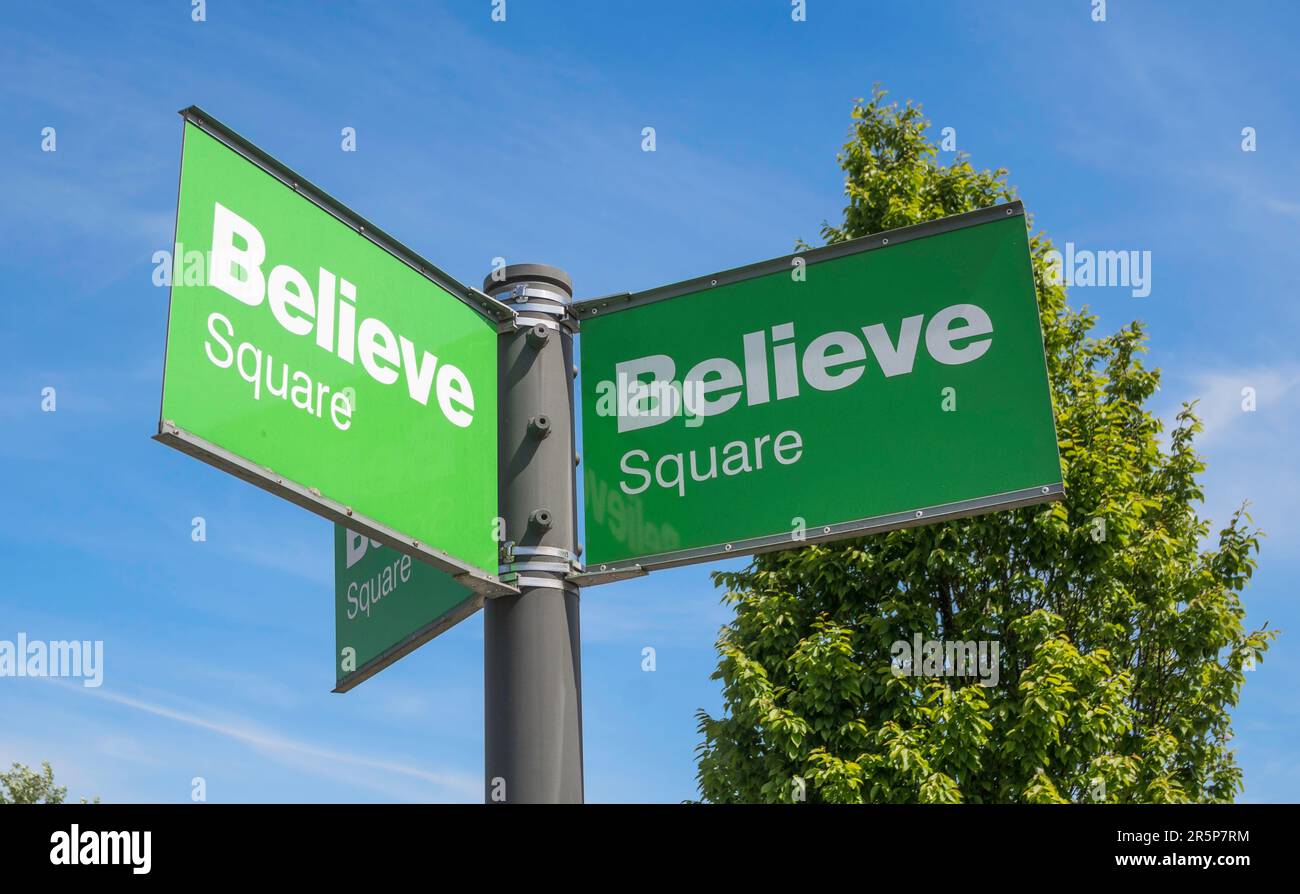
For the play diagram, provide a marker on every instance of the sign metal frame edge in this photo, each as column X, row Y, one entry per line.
column 608, row 304
column 637, row 566
column 468, row 575
column 487, row 307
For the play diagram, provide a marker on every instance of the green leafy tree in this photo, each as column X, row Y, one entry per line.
column 23, row 785
column 1121, row 639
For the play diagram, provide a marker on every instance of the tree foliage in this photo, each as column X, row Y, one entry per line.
column 23, row 785
column 1121, row 654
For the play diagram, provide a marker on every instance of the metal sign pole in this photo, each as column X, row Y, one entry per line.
column 532, row 669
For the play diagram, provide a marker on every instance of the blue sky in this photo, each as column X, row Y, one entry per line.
column 522, row 139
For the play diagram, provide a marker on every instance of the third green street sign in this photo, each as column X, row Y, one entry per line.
column 889, row 381
column 313, row 355
column 387, row 606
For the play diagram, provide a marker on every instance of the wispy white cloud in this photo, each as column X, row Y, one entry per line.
column 295, row 752
column 1186, row 90
column 1224, row 403
column 1250, row 454
column 311, row 562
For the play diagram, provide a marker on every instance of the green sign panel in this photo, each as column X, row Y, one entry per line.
column 313, row 355
column 890, row 381
column 386, row 606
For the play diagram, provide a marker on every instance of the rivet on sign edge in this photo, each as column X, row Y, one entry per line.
column 884, row 241
column 919, row 513
column 727, row 548
column 826, row 530
column 1046, row 489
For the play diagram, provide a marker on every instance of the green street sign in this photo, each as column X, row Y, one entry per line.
column 386, row 606
column 889, row 381
column 311, row 354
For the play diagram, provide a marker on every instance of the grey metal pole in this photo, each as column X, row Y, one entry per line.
column 532, row 668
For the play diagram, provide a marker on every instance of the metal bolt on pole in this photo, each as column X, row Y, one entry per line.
column 532, row 668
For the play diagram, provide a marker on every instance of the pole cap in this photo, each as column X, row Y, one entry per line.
column 538, row 273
